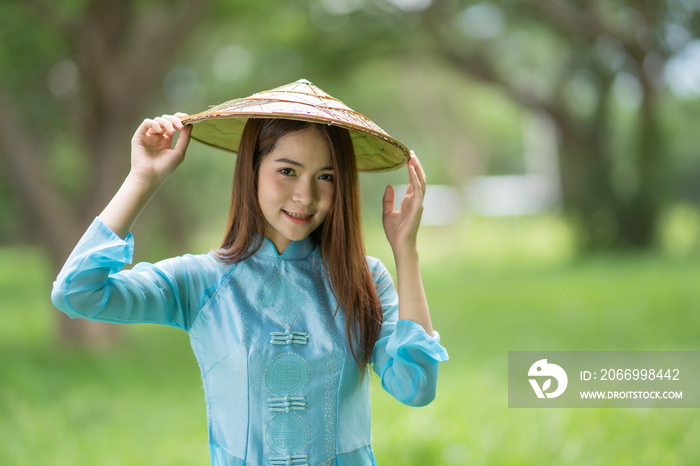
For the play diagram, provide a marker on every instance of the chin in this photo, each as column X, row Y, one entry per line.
column 299, row 237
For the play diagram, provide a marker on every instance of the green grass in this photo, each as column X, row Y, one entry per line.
column 493, row 286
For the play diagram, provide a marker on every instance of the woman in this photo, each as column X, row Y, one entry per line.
column 286, row 316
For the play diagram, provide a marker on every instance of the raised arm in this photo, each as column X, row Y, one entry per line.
column 401, row 228
column 93, row 285
column 153, row 159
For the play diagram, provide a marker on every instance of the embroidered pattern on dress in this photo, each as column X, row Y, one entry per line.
column 333, row 365
column 287, row 434
column 286, row 374
column 282, row 301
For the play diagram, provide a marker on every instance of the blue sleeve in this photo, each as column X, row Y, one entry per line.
column 405, row 356
column 92, row 284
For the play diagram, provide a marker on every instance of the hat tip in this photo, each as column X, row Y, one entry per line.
column 304, row 81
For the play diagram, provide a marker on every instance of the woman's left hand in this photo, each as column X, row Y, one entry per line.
column 401, row 226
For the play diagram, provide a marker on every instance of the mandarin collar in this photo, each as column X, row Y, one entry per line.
column 295, row 250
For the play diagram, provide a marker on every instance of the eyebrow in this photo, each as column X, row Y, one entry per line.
column 297, row 164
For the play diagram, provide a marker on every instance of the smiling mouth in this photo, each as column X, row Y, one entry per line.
column 298, row 215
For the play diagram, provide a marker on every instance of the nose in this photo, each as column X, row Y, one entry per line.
column 305, row 192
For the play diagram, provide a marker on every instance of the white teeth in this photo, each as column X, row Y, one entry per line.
column 295, row 215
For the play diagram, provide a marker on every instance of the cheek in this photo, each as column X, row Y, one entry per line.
column 268, row 189
column 328, row 194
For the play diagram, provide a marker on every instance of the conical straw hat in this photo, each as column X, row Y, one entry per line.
column 222, row 125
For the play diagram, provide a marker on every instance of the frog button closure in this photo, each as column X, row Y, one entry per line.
column 288, row 338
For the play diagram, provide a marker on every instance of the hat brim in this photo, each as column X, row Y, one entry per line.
column 222, row 126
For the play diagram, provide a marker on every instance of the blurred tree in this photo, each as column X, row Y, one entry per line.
column 116, row 52
column 76, row 76
column 596, row 67
column 569, row 59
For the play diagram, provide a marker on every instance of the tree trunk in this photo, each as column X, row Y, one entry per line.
column 642, row 216
column 606, row 217
column 119, row 70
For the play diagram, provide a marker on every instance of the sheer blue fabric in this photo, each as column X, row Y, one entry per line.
column 281, row 385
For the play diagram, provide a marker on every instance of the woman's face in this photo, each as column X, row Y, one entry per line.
column 295, row 187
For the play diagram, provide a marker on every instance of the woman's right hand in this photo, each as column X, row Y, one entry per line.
column 153, row 156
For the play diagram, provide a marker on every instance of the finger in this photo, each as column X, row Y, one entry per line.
column 147, row 127
column 183, row 140
column 411, row 172
column 388, row 201
column 414, row 181
column 420, row 170
column 409, row 187
column 175, row 120
column 167, row 125
column 181, row 116
column 154, row 128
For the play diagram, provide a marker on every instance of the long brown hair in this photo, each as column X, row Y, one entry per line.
column 339, row 236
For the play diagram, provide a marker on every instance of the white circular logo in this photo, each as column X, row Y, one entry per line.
column 542, row 369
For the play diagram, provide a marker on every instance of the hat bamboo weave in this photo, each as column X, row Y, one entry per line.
column 222, row 125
